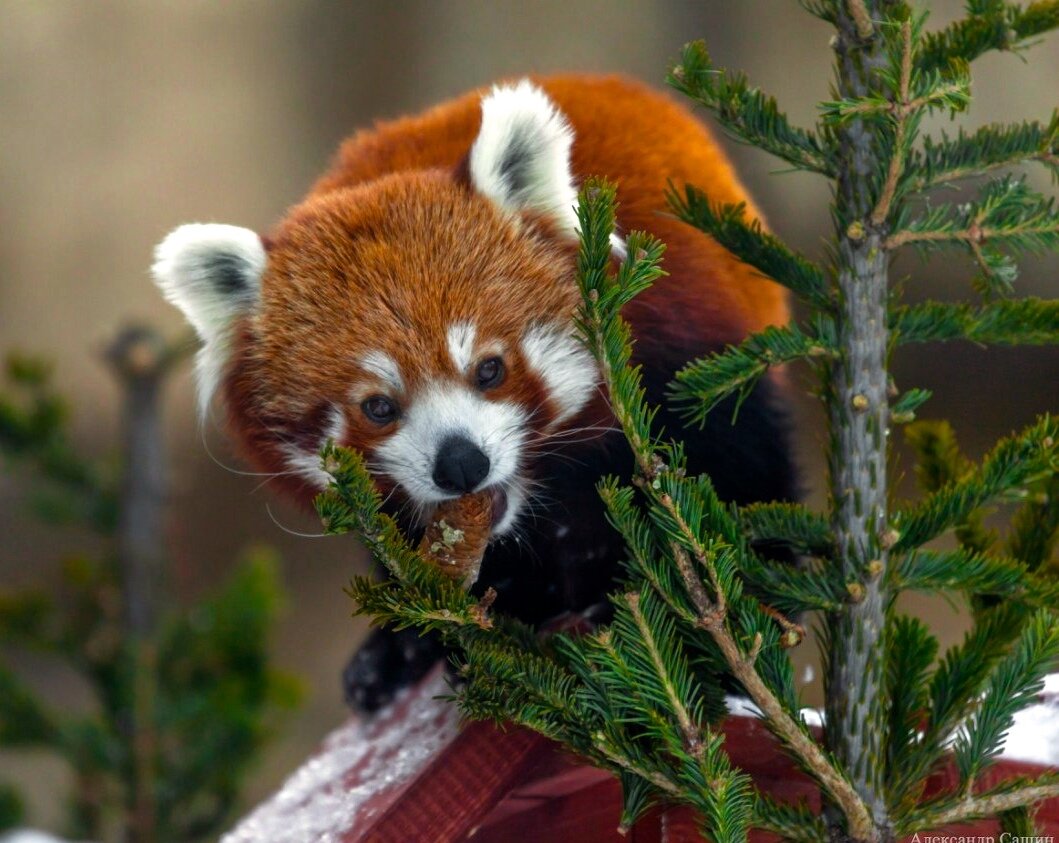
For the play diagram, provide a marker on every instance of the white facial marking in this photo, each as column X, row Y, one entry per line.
column 444, row 410
column 460, row 338
column 567, row 368
column 385, row 368
column 305, row 462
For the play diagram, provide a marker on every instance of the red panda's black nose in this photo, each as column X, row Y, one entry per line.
column 460, row 465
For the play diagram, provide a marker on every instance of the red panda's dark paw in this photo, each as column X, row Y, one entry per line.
column 386, row 663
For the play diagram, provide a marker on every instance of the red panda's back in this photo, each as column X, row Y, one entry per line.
column 636, row 137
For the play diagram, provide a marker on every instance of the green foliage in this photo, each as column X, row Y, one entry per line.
column 1012, row 685
column 1028, row 321
column 214, row 699
column 988, row 148
column 705, row 597
column 748, row 241
column 1014, row 463
column 12, row 812
column 746, row 112
column 789, row 524
column 1007, row 213
column 33, row 433
column 703, row 384
column 989, row 25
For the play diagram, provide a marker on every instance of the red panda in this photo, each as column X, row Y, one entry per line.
column 418, row 306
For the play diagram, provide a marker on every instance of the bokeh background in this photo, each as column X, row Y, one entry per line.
column 120, row 120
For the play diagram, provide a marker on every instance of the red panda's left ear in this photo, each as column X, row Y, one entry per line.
column 521, row 157
column 213, row 274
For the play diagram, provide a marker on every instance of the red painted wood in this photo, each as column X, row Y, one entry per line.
column 460, row 787
column 492, row 785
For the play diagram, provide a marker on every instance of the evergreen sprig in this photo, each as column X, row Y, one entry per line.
column 746, row 112
column 971, row 154
column 1026, row 321
column 1007, row 214
column 703, row 384
column 1012, row 464
column 748, row 241
column 989, row 25
column 788, row 524
column 1012, row 684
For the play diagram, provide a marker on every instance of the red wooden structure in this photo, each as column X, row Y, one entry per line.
column 412, row 775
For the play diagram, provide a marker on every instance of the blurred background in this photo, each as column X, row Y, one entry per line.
column 121, row 120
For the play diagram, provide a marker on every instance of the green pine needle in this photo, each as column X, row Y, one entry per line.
column 797, row 822
column 997, row 26
column 791, row 525
column 703, row 384
column 745, row 112
column 970, row 154
column 1008, row 215
column 1013, row 684
column 1013, row 464
column 1028, row 321
column 748, row 241
column 910, row 658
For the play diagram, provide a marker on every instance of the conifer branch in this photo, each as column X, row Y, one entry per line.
column 745, row 112
column 791, row 822
column 1011, row 794
column 606, row 336
column 1013, row 463
column 1013, row 683
column 995, row 26
column 862, row 19
column 791, row 524
column 904, row 110
column 989, row 148
column 1028, row 321
column 704, row 383
column 688, row 727
column 1007, row 213
column 976, row 573
column 749, row 242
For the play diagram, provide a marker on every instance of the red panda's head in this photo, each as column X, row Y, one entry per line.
column 424, row 318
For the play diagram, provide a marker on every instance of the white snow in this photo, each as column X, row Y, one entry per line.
column 1034, row 736
column 29, row 835
column 327, row 796
column 330, row 794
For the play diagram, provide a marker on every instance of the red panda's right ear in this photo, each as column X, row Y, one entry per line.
column 213, row 274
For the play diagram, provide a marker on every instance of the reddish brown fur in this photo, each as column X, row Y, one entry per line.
column 391, row 246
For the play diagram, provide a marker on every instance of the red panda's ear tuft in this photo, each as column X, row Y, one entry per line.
column 213, row 274
column 521, row 157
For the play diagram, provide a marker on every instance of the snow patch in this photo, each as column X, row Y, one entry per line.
column 358, row 762
column 1034, row 736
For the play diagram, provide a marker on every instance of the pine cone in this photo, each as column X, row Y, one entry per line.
column 457, row 535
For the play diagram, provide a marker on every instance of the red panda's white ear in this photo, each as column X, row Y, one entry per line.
column 213, row 274
column 521, row 157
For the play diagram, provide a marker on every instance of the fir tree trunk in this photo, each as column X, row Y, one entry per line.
column 856, row 723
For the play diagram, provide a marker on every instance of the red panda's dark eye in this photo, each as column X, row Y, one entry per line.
column 490, row 373
column 379, row 409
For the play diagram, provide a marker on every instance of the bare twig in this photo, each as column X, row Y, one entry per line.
column 983, row 805
column 897, row 159
column 859, row 12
